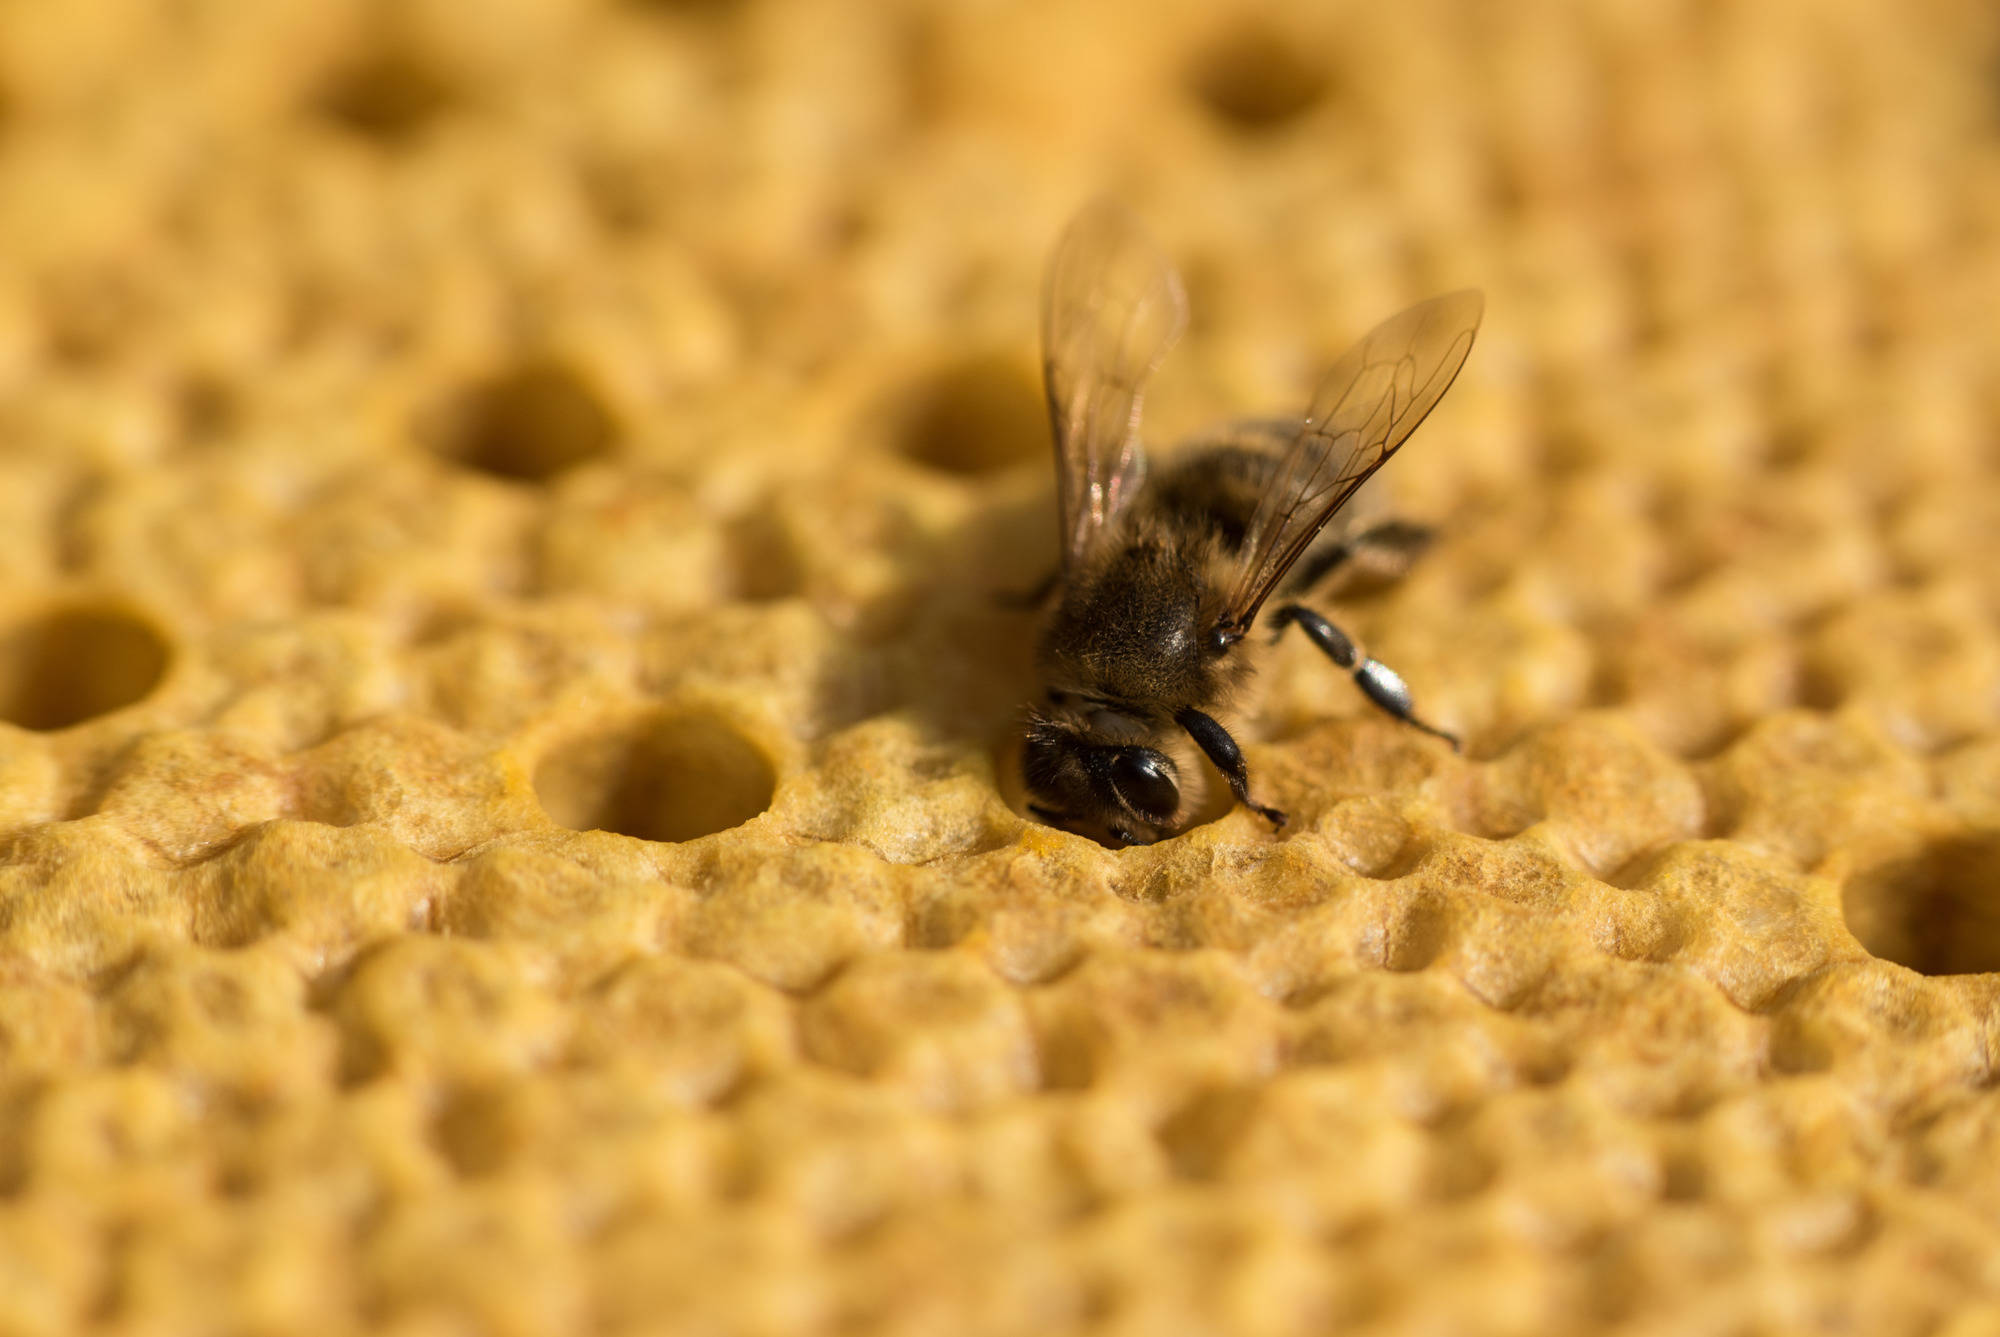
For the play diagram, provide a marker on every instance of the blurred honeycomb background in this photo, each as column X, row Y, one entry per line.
column 501, row 804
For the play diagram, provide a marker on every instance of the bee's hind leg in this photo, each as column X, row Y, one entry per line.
column 1228, row 758
column 1378, row 555
column 1377, row 681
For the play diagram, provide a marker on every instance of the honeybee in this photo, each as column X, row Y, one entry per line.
column 1144, row 638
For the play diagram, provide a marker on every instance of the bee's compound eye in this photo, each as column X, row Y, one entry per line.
column 1145, row 779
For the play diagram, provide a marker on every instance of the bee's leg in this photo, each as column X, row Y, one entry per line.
column 1033, row 597
column 1228, row 758
column 1377, row 681
column 1383, row 552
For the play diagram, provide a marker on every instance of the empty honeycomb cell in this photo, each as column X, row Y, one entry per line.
column 74, row 663
column 388, row 95
column 1935, row 910
column 527, row 423
column 670, row 776
column 1255, row 78
column 979, row 414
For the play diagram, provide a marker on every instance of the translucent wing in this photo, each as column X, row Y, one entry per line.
column 1366, row 407
column 1112, row 308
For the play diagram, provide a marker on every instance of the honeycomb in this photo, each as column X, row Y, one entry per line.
column 504, row 780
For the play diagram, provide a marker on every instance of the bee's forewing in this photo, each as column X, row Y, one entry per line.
column 1112, row 307
column 1367, row 406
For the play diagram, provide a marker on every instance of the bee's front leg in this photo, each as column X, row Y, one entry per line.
column 1377, row 681
column 1228, row 758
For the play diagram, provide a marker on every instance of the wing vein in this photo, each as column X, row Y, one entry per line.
column 1374, row 397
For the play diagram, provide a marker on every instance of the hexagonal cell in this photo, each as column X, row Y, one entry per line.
column 68, row 665
column 1937, row 911
column 387, row 96
column 1256, row 79
column 979, row 414
column 672, row 776
column 528, row 423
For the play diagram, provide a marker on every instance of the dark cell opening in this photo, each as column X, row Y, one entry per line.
column 1937, row 912
column 1256, row 80
column 667, row 777
column 73, row 664
column 529, row 423
column 388, row 96
column 975, row 416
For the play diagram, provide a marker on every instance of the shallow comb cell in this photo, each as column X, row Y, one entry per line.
column 1256, row 79
column 670, row 777
column 976, row 415
column 528, row 423
column 388, row 96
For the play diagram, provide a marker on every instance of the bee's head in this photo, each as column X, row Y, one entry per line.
column 1121, row 794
